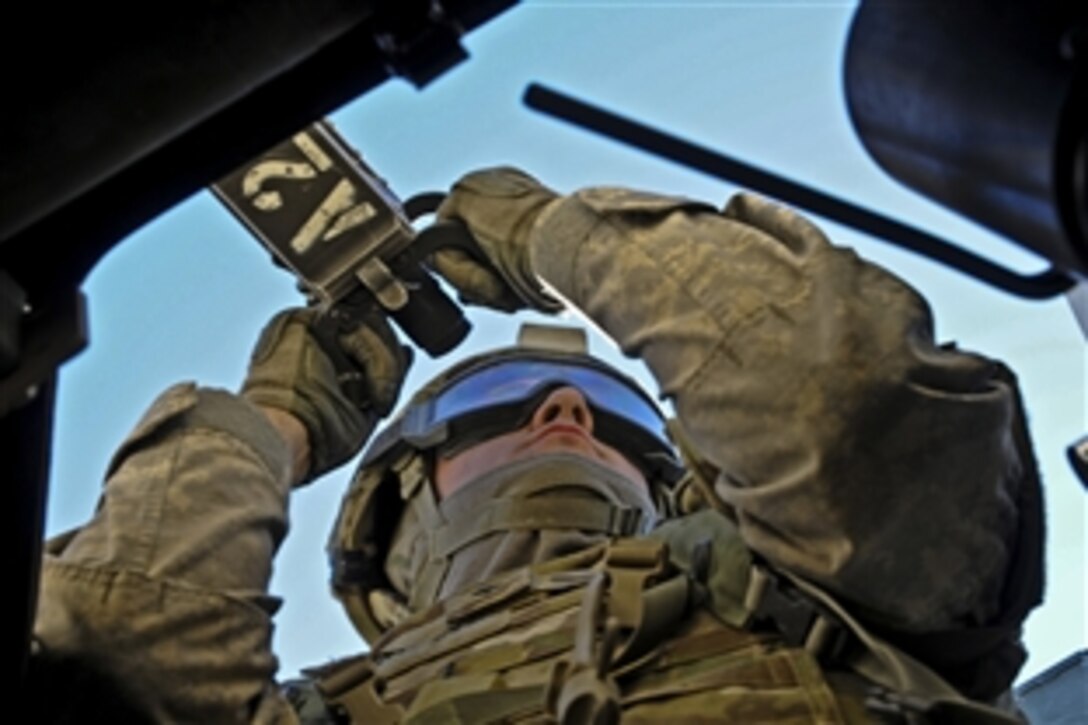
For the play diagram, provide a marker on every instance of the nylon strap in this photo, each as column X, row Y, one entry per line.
column 583, row 692
column 535, row 514
column 349, row 686
column 645, row 606
column 416, row 491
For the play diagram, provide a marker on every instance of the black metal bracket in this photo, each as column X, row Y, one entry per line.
column 12, row 308
column 420, row 39
column 47, row 338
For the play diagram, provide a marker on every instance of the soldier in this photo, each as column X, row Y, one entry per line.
column 843, row 524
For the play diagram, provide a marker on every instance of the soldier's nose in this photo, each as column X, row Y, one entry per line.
column 565, row 405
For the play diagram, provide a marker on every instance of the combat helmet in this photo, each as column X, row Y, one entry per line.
column 477, row 398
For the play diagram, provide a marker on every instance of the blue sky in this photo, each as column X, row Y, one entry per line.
column 184, row 297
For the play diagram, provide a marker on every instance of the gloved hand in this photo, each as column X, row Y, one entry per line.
column 498, row 206
column 337, row 382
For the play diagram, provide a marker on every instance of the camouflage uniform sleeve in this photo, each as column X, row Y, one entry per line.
column 853, row 450
column 164, row 592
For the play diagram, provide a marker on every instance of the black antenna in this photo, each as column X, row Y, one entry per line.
column 1043, row 285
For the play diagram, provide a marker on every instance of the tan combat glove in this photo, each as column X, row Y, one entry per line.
column 337, row 382
column 499, row 207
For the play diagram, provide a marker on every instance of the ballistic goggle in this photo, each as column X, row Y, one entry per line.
column 500, row 395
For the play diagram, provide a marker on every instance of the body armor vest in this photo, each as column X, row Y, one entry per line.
column 649, row 629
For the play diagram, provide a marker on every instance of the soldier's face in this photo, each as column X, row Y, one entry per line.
column 562, row 423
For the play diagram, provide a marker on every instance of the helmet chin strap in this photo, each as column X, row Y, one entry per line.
column 515, row 515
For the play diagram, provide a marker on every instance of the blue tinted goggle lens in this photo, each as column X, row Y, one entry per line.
column 515, row 381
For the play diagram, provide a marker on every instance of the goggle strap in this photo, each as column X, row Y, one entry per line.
column 571, row 340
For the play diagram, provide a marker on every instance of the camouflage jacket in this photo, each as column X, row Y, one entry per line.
column 850, row 450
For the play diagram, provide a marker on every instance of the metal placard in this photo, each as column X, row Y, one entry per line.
column 313, row 202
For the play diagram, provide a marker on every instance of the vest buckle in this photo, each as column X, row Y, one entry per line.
column 774, row 603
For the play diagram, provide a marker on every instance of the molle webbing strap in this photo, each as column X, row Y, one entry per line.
column 627, row 610
column 646, row 597
column 349, row 686
column 529, row 514
column 497, row 643
column 581, row 690
column 513, row 599
column 419, row 497
column 411, row 470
